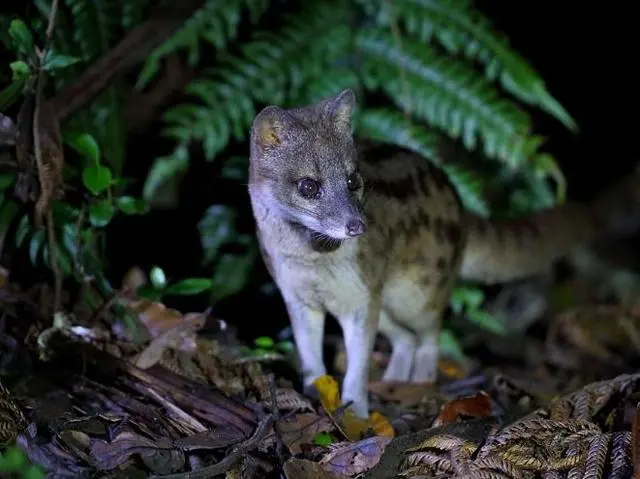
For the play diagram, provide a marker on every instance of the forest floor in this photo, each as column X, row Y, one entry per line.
column 181, row 397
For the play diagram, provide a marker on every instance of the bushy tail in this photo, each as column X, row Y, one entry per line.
column 499, row 251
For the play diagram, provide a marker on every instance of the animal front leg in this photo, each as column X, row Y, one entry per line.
column 308, row 332
column 359, row 331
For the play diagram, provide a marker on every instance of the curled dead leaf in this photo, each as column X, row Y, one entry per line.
column 478, row 405
column 352, row 458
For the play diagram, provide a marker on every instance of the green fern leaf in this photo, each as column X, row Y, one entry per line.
column 260, row 74
column 216, row 22
column 447, row 94
column 95, row 24
column 461, row 29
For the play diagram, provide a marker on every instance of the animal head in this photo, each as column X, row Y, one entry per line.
column 303, row 165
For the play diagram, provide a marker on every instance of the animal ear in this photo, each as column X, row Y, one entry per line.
column 341, row 110
column 272, row 127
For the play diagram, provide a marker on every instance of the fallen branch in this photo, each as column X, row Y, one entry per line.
column 230, row 459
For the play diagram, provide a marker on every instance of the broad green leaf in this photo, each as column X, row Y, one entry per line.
column 85, row 144
column 35, row 246
column 132, row 206
column 8, row 211
column 101, row 213
column 10, row 94
column 21, row 36
column 20, row 69
column 157, row 277
column 24, row 227
column 163, row 170
column 6, row 180
column 190, row 286
column 466, row 296
column 216, row 229
column 231, row 274
column 96, row 178
column 58, row 61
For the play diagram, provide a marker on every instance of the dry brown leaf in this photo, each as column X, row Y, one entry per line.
column 290, row 400
column 474, row 406
column 180, row 337
column 304, row 469
column 351, row 458
column 52, row 161
column 406, row 393
column 133, row 279
column 160, row 458
column 301, row 429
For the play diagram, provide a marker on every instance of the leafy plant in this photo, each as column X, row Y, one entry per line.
column 160, row 287
column 14, row 461
column 426, row 73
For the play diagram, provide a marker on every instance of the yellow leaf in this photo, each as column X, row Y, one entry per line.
column 353, row 426
column 328, row 391
column 380, row 425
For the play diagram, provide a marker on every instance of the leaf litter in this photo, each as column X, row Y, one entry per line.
column 83, row 397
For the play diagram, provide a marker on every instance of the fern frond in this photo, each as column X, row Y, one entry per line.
column 133, row 13
column 216, row 22
column 448, row 94
column 269, row 68
column 330, row 82
column 463, row 30
column 96, row 24
column 392, row 127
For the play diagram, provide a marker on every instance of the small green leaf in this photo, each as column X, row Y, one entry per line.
column 85, row 144
column 190, row 286
column 157, row 277
column 58, row 61
column 96, row 178
column 20, row 69
column 486, row 321
column 323, row 439
column 264, row 342
column 285, row 346
column 101, row 213
column 6, row 180
column 149, row 292
column 21, row 36
column 450, row 346
column 132, row 206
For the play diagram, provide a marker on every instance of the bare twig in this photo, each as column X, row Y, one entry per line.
column 230, row 459
column 53, row 256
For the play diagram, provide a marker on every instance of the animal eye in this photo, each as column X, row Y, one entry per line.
column 308, row 188
column 354, row 182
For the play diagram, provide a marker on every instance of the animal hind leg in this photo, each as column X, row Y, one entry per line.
column 425, row 360
column 403, row 348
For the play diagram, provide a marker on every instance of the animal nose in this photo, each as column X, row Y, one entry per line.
column 355, row 227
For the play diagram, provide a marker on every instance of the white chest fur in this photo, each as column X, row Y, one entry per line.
column 334, row 283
